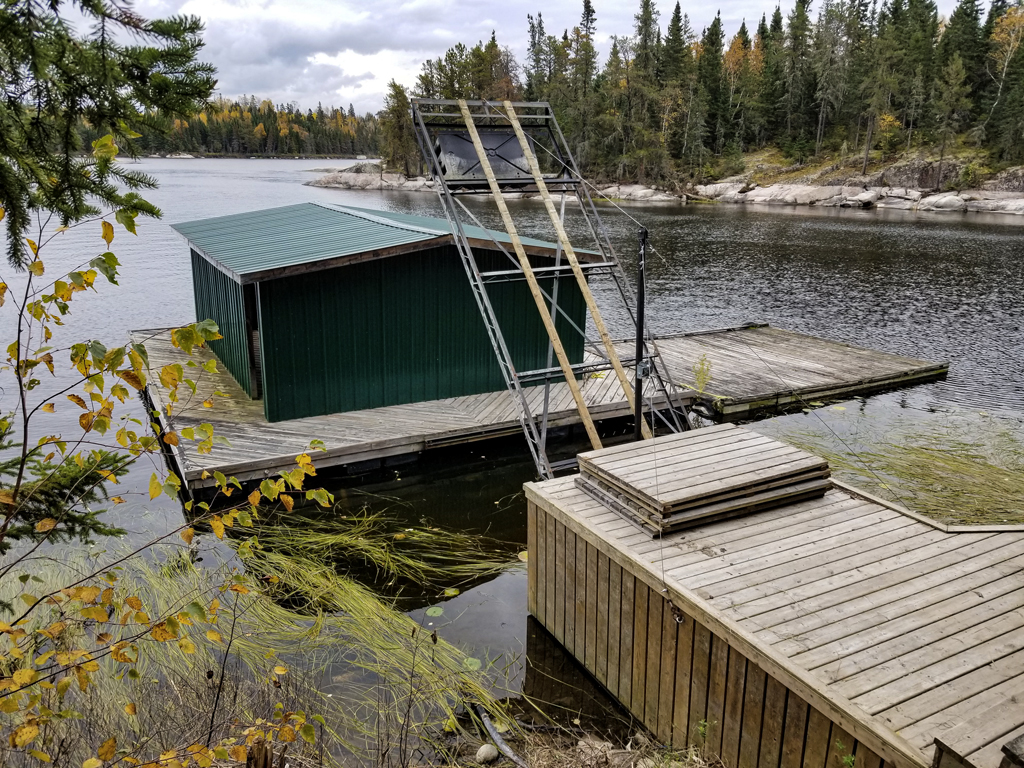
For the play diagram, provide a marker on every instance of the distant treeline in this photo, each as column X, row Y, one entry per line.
column 859, row 75
column 253, row 127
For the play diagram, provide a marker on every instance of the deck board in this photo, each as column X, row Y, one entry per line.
column 908, row 628
column 753, row 369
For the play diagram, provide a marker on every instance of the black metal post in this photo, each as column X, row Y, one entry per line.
column 638, row 390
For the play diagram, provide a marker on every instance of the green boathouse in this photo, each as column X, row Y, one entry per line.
column 327, row 308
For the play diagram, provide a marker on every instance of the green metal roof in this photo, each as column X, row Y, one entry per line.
column 263, row 243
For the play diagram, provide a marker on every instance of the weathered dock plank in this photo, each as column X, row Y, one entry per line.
column 833, row 629
column 753, row 370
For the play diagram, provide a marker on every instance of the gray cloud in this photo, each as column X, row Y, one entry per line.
column 335, row 52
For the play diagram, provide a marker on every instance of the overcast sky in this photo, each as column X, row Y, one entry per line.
column 340, row 52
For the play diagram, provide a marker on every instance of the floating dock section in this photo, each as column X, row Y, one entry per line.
column 835, row 632
column 754, row 370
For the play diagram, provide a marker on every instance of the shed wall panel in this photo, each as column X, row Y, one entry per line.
column 221, row 299
column 723, row 703
column 399, row 330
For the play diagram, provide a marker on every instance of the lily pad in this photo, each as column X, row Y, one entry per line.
column 451, row 592
column 524, row 555
column 435, row 610
column 472, row 664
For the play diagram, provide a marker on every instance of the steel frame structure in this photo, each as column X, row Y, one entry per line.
column 535, row 125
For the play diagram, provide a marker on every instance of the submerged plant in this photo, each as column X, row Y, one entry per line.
column 957, row 470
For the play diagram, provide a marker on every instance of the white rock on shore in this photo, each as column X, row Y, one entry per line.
column 899, row 198
column 368, row 176
column 388, row 181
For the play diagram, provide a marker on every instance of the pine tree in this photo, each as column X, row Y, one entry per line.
column 773, row 82
column 952, row 105
column 398, row 139
column 125, row 76
column 712, row 85
column 797, row 71
column 964, row 37
column 645, row 58
column 677, row 52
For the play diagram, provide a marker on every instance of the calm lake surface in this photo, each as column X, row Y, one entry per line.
column 937, row 286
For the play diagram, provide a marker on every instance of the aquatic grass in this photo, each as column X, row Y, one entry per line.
column 378, row 544
column 301, row 612
column 954, row 470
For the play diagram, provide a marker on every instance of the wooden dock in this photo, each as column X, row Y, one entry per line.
column 836, row 631
column 758, row 369
column 755, row 370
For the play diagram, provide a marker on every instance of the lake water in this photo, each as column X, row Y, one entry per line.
column 937, row 286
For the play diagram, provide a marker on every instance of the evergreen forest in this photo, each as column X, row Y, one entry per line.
column 849, row 78
column 253, row 127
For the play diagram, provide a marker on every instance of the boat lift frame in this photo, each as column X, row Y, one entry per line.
column 531, row 125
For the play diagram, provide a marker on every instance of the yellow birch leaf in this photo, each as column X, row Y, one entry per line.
column 24, row 735
column 286, row 734
column 280, row 670
column 134, row 603
column 92, row 762
column 48, row 408
column 132, row 379
column 46, row 524
column 171, row 438
column 108, row 232
column 130, row 708
column 161, row 633
column 41, row 756
column 96, row 613
column 107, row 749
column 238, row 752
column 155, row 486
column 214, row 636
column 187, row 535
column 186, row 645
column 288, row 501
column 36, row 267
column 218, row 526
column 88, row 594
column 24, row 677
column 77, row 400
column 107, row 596
column 86, row 419
column 255, row 496
column 207, row 403
column 117, row 499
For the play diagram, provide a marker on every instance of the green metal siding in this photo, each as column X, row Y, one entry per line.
column 399, row 330
column 219, row 298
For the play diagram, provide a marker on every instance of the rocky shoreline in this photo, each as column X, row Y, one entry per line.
column 368, row 176
column 863, row 192
column 897, row 198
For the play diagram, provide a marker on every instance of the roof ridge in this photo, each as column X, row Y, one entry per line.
column 360, row 213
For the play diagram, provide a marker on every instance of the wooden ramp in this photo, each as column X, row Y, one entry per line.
column 741, row 383
column 840, row 628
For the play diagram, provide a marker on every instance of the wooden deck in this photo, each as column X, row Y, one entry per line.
column 868, row 620
column 754, row 370
column 759, row 369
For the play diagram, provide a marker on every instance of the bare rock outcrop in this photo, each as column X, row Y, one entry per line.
column 897, row 198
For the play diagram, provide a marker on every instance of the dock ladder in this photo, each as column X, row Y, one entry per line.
column 480, row 148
